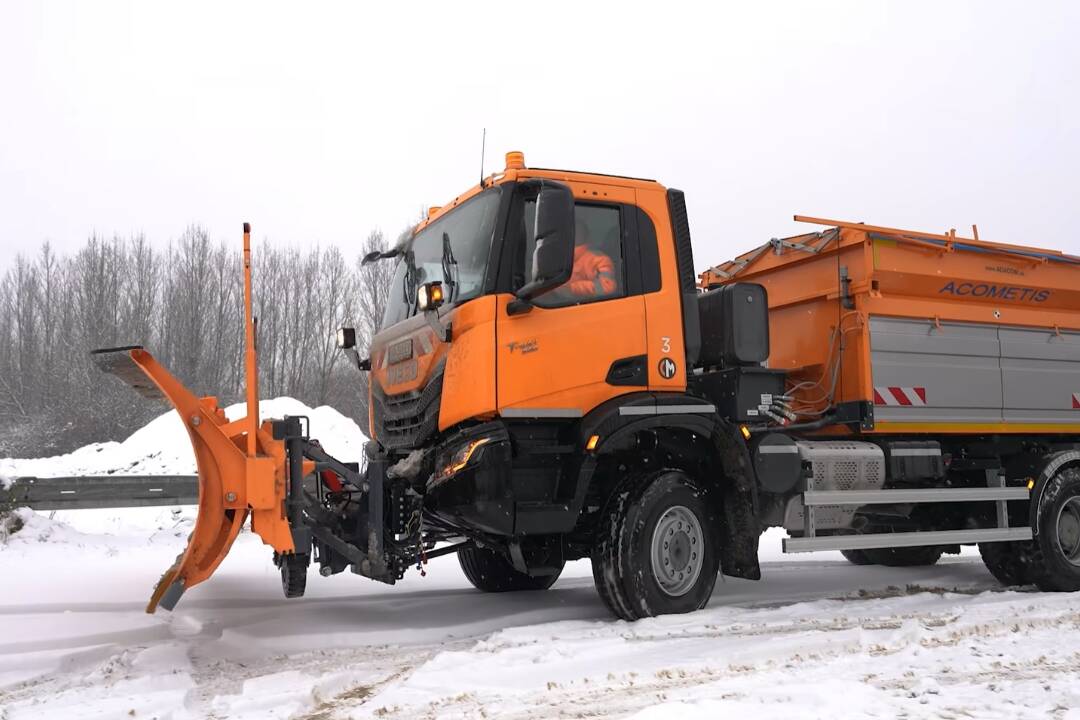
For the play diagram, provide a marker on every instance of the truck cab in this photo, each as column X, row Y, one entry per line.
column 559, row 352
column 521, row 379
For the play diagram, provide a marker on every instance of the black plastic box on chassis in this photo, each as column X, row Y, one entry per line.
column 913, row 460
column 741, row 393
column 734, row 325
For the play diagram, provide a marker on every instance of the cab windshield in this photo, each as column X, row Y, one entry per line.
column 453, row 250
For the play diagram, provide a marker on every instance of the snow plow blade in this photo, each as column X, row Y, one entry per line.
column 242, row 468
column 232, row 484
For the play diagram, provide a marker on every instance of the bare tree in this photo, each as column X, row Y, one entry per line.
column 141, row 292
column 185, row 304
column 49, row 312
column 373, row 288
column 335, row 304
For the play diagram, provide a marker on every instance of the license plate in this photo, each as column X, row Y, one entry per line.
column 399, row 351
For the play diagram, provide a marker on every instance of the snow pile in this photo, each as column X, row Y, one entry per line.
column 12, row 522
column 109, row 531
column 37, row 528
column 162, row 447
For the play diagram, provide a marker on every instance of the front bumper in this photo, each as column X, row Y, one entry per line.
column 480, row 495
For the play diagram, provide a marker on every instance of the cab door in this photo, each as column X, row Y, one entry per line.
column 576, row 348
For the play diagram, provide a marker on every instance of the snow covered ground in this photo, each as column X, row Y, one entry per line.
column 816, row 638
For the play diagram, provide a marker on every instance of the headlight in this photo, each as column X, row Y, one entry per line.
column 459, row 459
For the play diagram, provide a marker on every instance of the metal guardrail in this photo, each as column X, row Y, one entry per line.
column 106, row 491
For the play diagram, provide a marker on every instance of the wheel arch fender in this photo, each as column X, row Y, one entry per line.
column 733, row 486
column 617, row 421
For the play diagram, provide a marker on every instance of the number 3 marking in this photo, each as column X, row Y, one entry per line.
column 665, row 344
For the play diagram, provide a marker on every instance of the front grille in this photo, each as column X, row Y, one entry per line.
column 408, row 420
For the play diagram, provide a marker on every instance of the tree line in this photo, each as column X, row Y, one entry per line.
column 184, row 303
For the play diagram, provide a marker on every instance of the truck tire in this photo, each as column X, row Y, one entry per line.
column 856, row 557
column 904, row 556
column 1054, row 555
column 1008, row 562
column 489, row 571
column 656, row 549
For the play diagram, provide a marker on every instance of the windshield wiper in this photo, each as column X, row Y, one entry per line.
column 448, row 263
column 411, row 280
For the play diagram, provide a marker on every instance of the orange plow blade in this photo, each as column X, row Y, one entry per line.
column 242, row 468
column 231, row 483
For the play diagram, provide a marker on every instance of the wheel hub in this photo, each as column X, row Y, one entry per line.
column 677, row 550
column 680, row 551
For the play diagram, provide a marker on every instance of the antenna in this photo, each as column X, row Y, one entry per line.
column 483, row 145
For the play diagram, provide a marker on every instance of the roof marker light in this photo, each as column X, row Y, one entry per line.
column 515, row 160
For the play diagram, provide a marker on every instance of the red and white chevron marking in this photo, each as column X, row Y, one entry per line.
column 1076, row 401
column 899, row 396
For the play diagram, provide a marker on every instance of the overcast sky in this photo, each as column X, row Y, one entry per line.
column 317, row 122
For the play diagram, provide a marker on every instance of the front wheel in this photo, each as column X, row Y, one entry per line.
column 656, row 551
column 489, row 571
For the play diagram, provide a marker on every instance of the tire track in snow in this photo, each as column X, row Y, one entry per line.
column 994, row 654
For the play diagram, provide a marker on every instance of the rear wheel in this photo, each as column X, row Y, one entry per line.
column 490, row 571
column 904, row 556
column 856, row 557
column 656, row 547
column 1054, row 555
column 1007, row 562
column 1051, row 561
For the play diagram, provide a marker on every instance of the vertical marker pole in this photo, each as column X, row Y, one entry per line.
column 251, row 368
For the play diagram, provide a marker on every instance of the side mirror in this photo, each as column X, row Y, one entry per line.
column 346, row 338
column 553, row 259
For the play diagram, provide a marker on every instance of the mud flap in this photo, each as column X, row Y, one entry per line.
column 739, row 554
column 233, row 481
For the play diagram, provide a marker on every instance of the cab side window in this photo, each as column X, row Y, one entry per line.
column 599, row 269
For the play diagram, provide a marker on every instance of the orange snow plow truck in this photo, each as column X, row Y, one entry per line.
column 552, row 382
